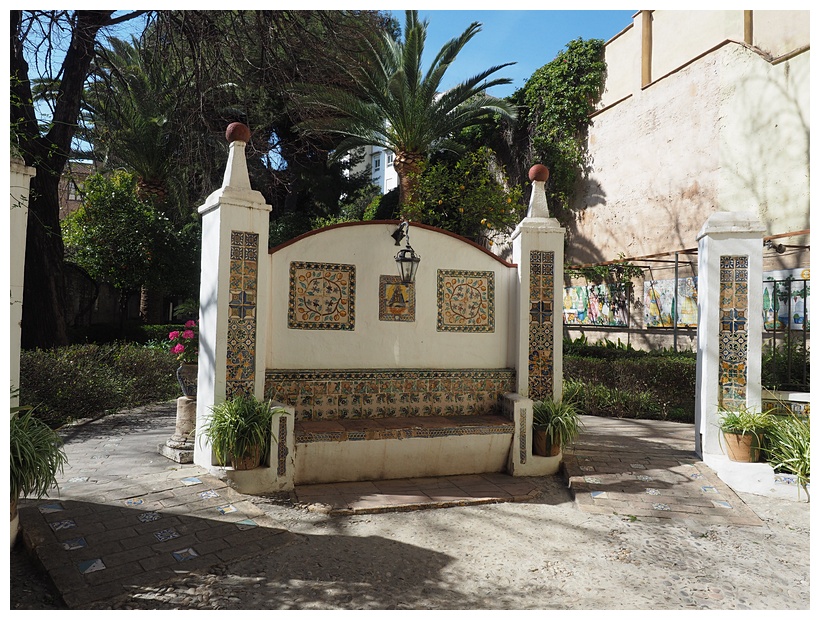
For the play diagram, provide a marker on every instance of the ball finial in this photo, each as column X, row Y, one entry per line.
column 237, row 132
column 539, row 172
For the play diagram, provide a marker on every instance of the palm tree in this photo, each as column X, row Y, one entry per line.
column 398, row 108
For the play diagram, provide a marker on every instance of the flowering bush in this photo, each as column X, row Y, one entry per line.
column 184, row 343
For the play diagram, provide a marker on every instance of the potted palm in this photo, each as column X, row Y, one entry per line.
column 36, row 456
column 240, row 431
column 743, row 430
column 555, row 424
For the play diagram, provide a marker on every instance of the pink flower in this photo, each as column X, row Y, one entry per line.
column 178, row 349
column 173, row 335
column 188, row 334
column 190, row 323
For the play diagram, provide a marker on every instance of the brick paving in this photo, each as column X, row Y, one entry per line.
column 126, row 518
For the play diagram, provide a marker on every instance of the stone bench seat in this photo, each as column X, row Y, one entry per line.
column 401, row 428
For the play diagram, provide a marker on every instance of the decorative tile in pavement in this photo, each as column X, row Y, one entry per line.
column 134, row 501
column 91, row 566
column 733, row 334
column 592, row 480
column 49, row 508
column 720, row 503
column 465, row 301
column 208, row 494
column 660, row 507
column 65, row 524
column 168, row 534
column 191, row 481
column 224, row 510
column 78, row 479
column 598, row 494
column 637, row 466
column 644, row 478
column 246, row 524
column 148, row 517
column 322, row 296
column 653, row 492
column 587, row 468
column 397, row 300
column 708, row 489
column 74, row 543
column 696, row 476
column 185, row 554
column 242, row 290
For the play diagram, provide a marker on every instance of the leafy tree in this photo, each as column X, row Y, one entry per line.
column 394, row 105
column 469, row 196
column 117, row 237
column 43, row 137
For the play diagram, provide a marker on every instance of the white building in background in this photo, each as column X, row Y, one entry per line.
column 379, row 162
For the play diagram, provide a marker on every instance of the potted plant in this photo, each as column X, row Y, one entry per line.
column 743, row 430
column 184, row 344
column 240, row 431
column 555, row 424
column 36, row 456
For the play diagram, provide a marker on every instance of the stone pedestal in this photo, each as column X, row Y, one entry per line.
column 180, row 447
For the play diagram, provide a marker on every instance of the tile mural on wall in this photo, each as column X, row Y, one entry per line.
column 465, row 301
column 322, row 296
column 397, row 300
column 733, row 330
column 242, row 288
column 786, row 299
column 659, row 302
column 541, row 324
column 596, row 304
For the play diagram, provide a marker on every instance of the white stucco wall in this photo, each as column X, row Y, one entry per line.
column 19, row 181
column 728, row 131
column 387, row 344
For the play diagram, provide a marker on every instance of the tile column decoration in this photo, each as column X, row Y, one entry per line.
column 232, row 337
column 730, row 322
column 538, row 250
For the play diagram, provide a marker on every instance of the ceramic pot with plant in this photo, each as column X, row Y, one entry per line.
column 239, row 431
column 555, row 424
column 36, row 456
column 743, row 429
column 184, row 344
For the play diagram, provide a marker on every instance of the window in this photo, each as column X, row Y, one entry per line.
column 377, row 163
column 389, row 158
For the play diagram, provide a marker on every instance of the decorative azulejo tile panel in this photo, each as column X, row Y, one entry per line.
column 241, row 355
column 541, row 325
column 397, row 300
column 733, row 334
column 339, row 394
column 322, row 296
column 466, row 301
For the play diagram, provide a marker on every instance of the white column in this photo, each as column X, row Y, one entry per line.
column 235, row 275
column 20, row 180
column 730, row 323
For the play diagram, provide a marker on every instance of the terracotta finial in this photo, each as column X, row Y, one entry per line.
column 237, row 132
column 539, row 172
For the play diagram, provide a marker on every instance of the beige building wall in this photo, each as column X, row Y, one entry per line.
column 718, row 126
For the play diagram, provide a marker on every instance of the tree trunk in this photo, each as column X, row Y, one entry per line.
column 408, row 168
column 151, row 308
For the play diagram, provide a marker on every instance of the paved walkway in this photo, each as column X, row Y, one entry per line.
column 126, row 519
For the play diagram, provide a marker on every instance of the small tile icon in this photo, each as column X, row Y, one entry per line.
column 74, row 543
column 185, row 554
column 598, row 494
column 246, row 524
column 592, row 480
column 79, row 479
column 643, row 478
column 208, row 494
column 637, row 466
column 66, row 524
column 188, row 482
column 49, row 508
column 696, row 476
column 224, row 510
column 91, row 566
column 134, row 501
column 148, row 517
column 168, row 534
column 661, row 507
column 587, row 468
column 708, row 489
column 720, row 503
column 653, row 492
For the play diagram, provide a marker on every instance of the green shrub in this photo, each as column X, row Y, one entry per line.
column 81, row 381
column 788, row 446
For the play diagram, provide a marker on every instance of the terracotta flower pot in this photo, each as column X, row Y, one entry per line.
column 248, row 461
column 540, row 444
column 742, row 448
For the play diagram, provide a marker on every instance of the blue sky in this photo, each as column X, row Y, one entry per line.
column 529, row 38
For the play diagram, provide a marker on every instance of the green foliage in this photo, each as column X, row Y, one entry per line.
column 560, row 97
column 470, row 197
column 116, row 237
column 82, row 381
column 782, row 366
column 741, row 420
column 36, row 455
column 788, row 446
column 559, row 419
column 621, row 272
column 239, row 426
column 384, row 207
column 287, row 227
